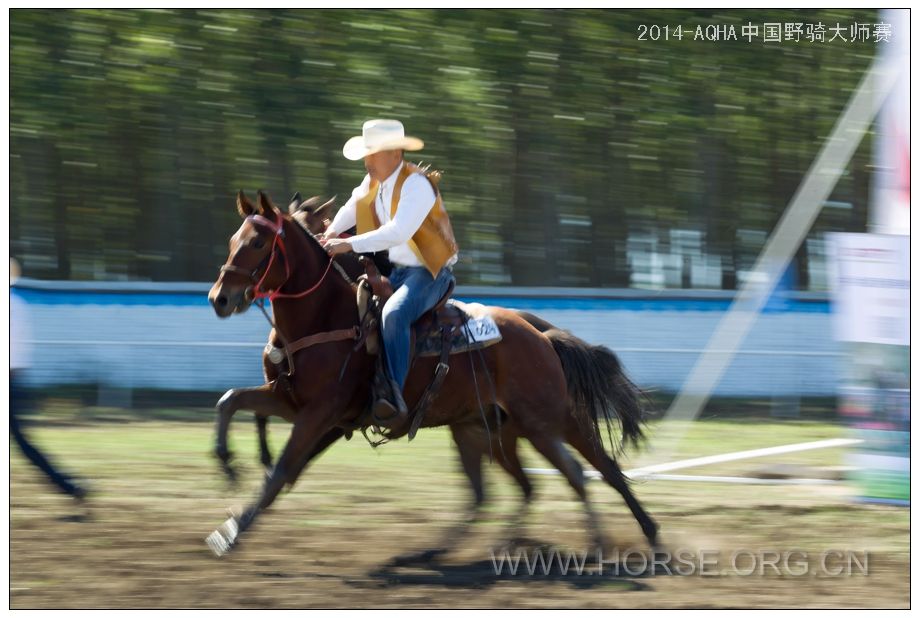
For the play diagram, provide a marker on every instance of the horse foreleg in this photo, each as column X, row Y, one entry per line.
column 472, row 444
column 265, row 455
column 227, row 535
column 325, row 442
column 506, row 452
column 307, row 434
column 260, row 399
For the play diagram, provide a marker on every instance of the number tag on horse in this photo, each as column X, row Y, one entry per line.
column 482, row 329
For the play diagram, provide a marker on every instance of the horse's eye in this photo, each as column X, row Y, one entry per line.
column 258, row 243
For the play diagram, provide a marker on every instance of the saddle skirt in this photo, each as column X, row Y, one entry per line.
column 471, row 328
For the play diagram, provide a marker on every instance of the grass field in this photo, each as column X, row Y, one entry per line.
column 332, row 541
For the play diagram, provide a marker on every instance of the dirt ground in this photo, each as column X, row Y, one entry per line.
column 336, row 540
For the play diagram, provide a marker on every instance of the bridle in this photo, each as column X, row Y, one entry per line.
column 278, row 248
column 259, row 295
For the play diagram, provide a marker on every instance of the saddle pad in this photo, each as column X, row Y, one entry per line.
column 473, row 329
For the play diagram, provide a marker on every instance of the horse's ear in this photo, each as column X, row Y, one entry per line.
column 265, row 204
column 308, row 205
column 323, row 210
column 243, row 205
column 295, row 201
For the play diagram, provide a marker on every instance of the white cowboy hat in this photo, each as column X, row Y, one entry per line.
column 379, row 135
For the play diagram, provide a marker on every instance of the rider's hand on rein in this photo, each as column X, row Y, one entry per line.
column 335, row 246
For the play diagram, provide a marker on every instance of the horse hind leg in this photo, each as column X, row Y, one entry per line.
column 471, row 444
column 587, row 442
column 554, row 450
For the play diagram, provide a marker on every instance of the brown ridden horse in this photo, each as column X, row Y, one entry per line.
column 313, row 214
column 548, row 385
column 473, row 443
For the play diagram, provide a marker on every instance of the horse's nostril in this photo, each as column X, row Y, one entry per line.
column 222, row 301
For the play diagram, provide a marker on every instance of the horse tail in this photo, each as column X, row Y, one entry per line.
column 599, row 388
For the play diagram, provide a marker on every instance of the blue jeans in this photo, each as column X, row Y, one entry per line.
column 415, row 292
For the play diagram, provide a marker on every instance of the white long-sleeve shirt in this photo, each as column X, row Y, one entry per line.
column 415, row 202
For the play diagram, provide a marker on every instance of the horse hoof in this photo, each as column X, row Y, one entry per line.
column 222, row 540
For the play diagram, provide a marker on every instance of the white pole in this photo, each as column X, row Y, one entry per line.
column 653, row 472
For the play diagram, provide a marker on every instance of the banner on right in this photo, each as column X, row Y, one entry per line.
column 872, row 320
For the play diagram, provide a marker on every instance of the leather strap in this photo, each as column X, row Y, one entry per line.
column 333, row 335
column 418, row 414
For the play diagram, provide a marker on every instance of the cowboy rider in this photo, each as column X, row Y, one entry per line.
column 396, row 207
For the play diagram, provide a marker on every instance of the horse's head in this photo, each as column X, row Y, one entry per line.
column 256, row 262
column 313, row 214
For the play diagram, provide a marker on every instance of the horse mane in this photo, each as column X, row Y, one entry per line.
column 312, row 239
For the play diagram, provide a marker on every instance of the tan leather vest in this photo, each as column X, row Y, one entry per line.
column 433, row 243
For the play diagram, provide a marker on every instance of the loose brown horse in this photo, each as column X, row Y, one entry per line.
column 547, row 384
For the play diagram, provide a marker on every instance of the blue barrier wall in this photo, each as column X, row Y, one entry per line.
column 167, row 336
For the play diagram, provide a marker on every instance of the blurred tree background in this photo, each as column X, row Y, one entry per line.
column 574, row 153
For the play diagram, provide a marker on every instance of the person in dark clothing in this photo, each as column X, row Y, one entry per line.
column 20, row 399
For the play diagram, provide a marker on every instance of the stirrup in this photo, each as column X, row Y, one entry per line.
column 385, row 414
column 389, row 409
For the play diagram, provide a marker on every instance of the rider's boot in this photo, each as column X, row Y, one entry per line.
column 390, row 410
